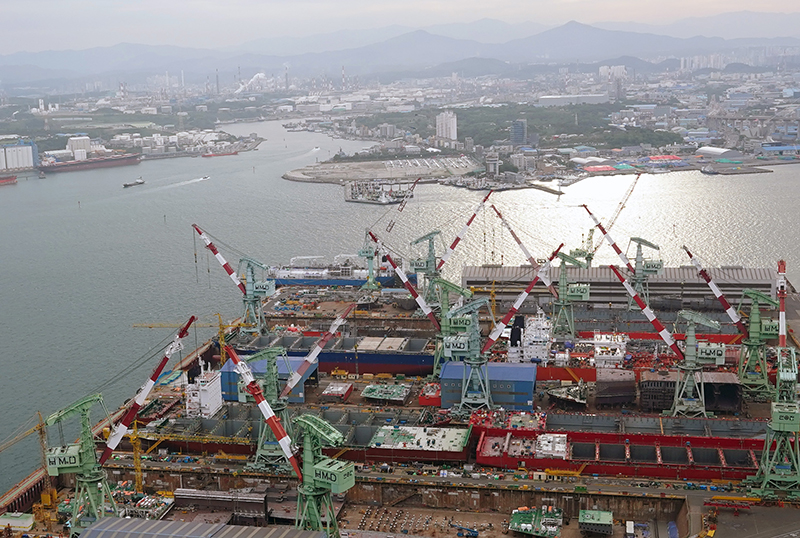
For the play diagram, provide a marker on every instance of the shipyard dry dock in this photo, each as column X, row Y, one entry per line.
column 393, row 502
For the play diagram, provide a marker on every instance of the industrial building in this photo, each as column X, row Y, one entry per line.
column 711, row 152
column 679, row 285
column 511, row 385
column 20, row 156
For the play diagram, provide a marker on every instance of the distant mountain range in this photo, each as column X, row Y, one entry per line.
column 482, row 31
column 391, row 51
column 737, row 25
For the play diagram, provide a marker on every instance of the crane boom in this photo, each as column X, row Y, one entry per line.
column 19, row 437
column 124, row 425
column 272, row 421
column 528, row 256
column 76, row 408
column 409, row 194
column 402, row 275
column 311, row 358
column 648, row 313
column 222, row 261
column 611, row 242
column 501, row 325
column 620, row 207
column 726, row 306
column 781, row 292
column 462, row 233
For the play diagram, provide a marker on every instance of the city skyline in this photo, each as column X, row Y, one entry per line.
column 81, row 24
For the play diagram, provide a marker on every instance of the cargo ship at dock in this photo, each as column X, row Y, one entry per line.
column 90, row 163
column 221, row 154
column 313, row 271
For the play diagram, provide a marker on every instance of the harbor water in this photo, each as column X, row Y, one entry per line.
column 83, row 260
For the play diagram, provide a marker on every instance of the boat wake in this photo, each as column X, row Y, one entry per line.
column 187, row 182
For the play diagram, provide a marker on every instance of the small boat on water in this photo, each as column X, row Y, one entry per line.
column 139, row 181
column 709, row 170
column 8, row 180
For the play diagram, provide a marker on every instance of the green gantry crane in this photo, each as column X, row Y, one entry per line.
column 437, row 294
column 753, row 373
column 450, row 324
column 689, row 398
column 586, row 250
column 93, row 499
column 426, row 265
column 319, row 475
column 368, row 252
column 322, row 476
column 564, row 320
column 255, row 292
column 269, row 454
column 778, row 473
column 466, row 347
column 643, row 270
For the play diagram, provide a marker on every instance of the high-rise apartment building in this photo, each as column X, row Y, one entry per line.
column 447, row 125
column 519, row 132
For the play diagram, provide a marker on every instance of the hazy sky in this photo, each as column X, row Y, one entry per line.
column 76, row 24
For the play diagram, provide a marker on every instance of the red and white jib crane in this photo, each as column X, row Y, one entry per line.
column 225, row 265
column 462, row 233
column 252, row 387
column 409, row 193
column 781, row 292
column 531, row 259
column 648, row 313
column 402, row 206
column 311, row 358
column 611, row 242
column 402, row 275
column 124, row 425
column 542, row 274
column 718, row 294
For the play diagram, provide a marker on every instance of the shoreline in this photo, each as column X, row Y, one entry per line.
column 341, row 173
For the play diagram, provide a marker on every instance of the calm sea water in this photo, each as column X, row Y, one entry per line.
column 83, row 259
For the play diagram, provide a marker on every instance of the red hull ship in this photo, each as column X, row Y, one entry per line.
column 220, row 154
column 8, row 180
column 88, row 164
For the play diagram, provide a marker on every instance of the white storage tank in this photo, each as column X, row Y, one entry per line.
column 26, row 157
column 80, row 154
column 2, row 158
column 12, row 158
